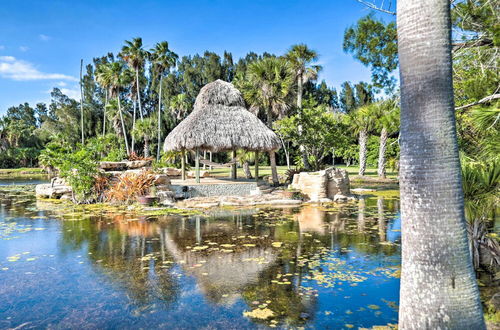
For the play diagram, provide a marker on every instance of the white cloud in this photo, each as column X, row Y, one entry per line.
column 12, row 68
column 24, row 48
column 61, row 84
column 44, row 37
column 72, row 93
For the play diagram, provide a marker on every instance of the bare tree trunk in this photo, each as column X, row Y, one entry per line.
column 104, row 113
column 81, row 101
column 138, row 91
column 438, row 285
column 305, row 159
column 132, row 149
column 123, row 125
column 381, row 219
column 246, row 170
column 274, row 169
column 159, row 122
column 362, row 151
column 146, row 147
column 381, row 153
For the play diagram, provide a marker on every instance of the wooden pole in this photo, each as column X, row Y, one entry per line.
column 204, row 156
column 256, row 166
column 197, row 165
column 233, row 166
column 183, row 166
column 210, row 167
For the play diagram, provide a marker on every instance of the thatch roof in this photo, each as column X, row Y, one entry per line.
column 220, row 122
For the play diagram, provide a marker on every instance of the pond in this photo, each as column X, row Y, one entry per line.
column 311, row 267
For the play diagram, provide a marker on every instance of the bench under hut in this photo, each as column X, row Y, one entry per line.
column 220, row 122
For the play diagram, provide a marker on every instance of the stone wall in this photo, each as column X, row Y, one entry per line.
column 329, row 184
column 208, row 190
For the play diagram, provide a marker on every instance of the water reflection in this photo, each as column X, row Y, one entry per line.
column 310, row 266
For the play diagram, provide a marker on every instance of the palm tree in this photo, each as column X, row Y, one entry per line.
column 438, row 285
column 362, row 120
column 179, row 106
column 103, row 78
column 300, row 57
column 387, row 120
column 267, row 87
column 145, row 128
column 118, row 77
column 162, row 59
column 135, row 56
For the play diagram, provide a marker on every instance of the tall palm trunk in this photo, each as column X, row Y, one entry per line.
column 363, row 135
column 246, row 170
column 381, row 153
column 104, row 113
column 133, row 127
column 272, row 154
column 438, row 286
column 138, row 91
column 300, row 88
column 146, row 146
column 274, row 170
column 123, row 125
column 159, row 122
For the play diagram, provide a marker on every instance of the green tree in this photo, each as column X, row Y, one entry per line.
column 387, row 122
column 321, row 131
column 347, row 98
column 362, row 122
column 374, row 44
column 301, row 59
column 162, row 59
column 267, row 87
column 145, row 129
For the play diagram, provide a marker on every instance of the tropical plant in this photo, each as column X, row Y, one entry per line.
column 162, row 59
column 362, row 121
column 129, row 186
column 267, row 87
column 146, row 129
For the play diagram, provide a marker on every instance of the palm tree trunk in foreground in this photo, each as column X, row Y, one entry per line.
column 438, row 286
column 381, row 153
column 305, row 159
column 362, row 152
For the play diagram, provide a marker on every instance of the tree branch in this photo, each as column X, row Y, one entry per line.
column 373, row 6
column 481, row 101
column 471, row 43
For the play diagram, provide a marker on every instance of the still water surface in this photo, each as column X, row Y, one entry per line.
column 313, row 267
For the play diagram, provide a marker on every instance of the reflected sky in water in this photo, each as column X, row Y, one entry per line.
column 313, row 267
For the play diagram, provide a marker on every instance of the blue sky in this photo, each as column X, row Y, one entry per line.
column 42, row 42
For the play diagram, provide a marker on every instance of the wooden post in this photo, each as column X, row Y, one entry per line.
column 204, row 156
column 183, row 165
column 210, row 167
column 233, row 167
column 197, row 165
column 256, row 166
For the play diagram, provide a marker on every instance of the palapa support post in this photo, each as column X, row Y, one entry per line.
column 197, row 165
column 256, row 166
column 205, row 157
column 183, row 165
column 233, row 166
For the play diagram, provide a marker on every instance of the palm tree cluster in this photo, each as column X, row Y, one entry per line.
column 115, row 76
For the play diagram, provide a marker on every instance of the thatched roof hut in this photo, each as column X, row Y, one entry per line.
column 220, row 122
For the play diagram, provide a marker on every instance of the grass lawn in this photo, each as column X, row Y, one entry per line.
column 21, row 171
column 266, row 170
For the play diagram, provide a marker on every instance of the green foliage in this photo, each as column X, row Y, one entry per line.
column 481, row 186
column 392, row 151
column 80, row 169
column 320, row 131
column 374, row 44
